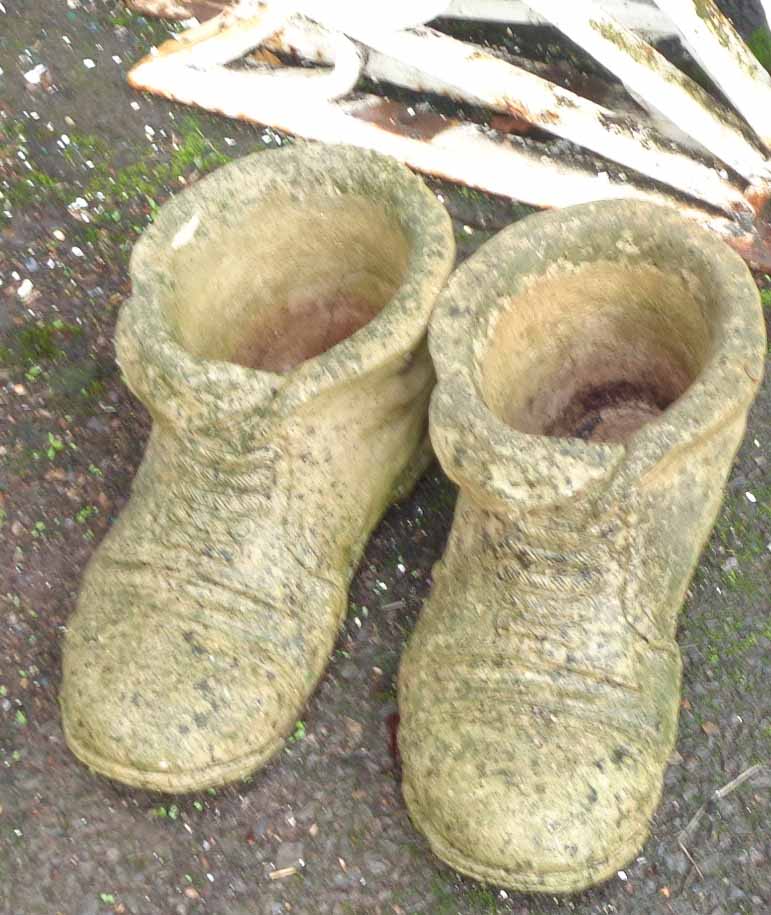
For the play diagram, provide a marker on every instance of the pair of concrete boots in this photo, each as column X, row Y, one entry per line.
column 595, row 367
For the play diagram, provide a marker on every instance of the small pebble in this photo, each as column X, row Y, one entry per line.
column 751, row 497
column 25, row 289
column 284, row 872
column 88, row 63
column 34, row 75
column 78, row 252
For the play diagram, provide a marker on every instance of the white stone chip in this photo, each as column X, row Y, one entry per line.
column 185, row 234
column 34, row 75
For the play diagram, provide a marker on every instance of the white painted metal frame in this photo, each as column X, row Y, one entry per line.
column 714, row 43
column 302, row 101
column 643, row 18
column 659, row 84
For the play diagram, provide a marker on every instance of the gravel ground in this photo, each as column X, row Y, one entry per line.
column 83, row 164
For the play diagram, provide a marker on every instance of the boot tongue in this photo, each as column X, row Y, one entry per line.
column 512, row 471
column 541, row 472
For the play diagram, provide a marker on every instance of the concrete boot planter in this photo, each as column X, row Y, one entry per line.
column 595, row 367
column 276, row 334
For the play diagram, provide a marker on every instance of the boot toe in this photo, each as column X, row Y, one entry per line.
column 177, row 706
column 551, row 806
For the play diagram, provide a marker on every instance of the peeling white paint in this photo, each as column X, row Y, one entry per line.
column 193, row 71
column 659, row 83
column 716, row 45
column 640, row 17
column 429, row 60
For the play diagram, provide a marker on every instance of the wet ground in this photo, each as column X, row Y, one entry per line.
column 84, row 162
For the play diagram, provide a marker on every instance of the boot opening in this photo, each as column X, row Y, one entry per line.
column 597, row 353
column 286, row 283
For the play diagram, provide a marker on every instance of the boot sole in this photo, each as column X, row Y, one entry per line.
column 215, row 776
column 562, row 881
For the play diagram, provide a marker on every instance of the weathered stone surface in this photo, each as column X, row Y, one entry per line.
column 276, row 334
column 595, row 368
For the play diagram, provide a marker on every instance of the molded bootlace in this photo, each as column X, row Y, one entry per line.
column 553, row 572
column 558, row 579
column 222, row 485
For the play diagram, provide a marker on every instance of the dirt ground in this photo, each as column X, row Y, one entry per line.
column 84, row 162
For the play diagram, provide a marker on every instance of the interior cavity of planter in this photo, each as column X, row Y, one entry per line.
column 597, row 353
column 286, row 281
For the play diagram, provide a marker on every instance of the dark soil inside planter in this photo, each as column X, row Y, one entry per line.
column 610, row 412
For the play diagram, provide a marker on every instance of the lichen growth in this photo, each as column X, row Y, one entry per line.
column 643, row 54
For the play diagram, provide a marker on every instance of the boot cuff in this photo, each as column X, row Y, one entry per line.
column 512, row 279
column 182, row 384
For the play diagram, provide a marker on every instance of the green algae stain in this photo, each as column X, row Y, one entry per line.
column 760, row 45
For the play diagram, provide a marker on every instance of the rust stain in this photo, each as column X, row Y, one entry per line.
column 517, row 110
column 755, row 248
column 395, row 118
column 265, row 57
column 202, row 10
column 511, row 123
column 758, row 197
